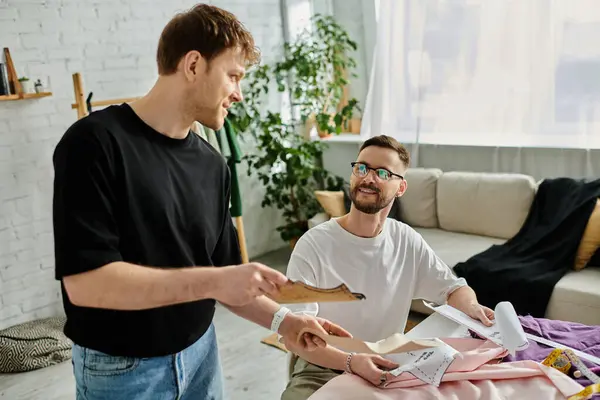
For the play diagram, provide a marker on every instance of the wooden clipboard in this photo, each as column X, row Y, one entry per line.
column 299, row 292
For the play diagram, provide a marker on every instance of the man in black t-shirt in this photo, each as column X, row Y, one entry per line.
column 141, row 220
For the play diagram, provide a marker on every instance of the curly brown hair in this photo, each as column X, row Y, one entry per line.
column 207, row 29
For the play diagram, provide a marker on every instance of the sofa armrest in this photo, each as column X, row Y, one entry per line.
column 317, row 219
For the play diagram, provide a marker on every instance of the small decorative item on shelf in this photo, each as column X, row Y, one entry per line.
column 354, row 125
column 26, row 85
column 39, row 88
column 4, row 82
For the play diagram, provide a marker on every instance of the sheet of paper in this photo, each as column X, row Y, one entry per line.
column 506, row 331
column 397, row 343
column 299, row 292
column 428, row 365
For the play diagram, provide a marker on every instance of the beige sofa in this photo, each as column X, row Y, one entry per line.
column 452, row 212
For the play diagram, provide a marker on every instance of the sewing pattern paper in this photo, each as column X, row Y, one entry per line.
column 428, row 365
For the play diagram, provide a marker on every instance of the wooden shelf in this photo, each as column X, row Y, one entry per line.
column 24, row 96
column 16, row 84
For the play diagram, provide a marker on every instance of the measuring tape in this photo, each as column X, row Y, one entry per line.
column 565, row 359
column 585, row 371
column 558, row 360
column 590, row 390
column 586, row 393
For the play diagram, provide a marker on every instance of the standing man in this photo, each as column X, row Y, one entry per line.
column 141, row 220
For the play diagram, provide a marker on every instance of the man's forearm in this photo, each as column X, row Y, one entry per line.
column 326, row 357
column 125, row 286
column 462, row 298
column 260, row 311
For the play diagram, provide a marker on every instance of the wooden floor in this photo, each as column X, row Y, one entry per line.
column 252, row 369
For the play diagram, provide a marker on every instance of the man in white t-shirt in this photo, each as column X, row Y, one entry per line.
column 383, row 258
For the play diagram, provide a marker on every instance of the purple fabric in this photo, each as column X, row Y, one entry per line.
column 574, row 335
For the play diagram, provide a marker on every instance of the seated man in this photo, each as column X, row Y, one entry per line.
column 383, row 258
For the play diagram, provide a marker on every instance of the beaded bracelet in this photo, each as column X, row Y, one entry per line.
column 348, row 359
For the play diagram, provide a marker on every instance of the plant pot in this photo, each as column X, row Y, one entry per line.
column 324, row 135
column 27, row 87
column 311, row 123
column 293, row 243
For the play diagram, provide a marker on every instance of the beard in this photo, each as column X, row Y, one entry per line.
column 372, row 206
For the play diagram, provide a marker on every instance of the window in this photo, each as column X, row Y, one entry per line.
column 297, row 19
column 299, row 13
column 487, row 72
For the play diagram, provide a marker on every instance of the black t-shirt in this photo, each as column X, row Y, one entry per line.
column 125, row 192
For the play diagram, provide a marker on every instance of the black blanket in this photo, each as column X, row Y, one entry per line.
column 525, row 269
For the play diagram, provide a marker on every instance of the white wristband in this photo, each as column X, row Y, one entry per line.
column 278, row 318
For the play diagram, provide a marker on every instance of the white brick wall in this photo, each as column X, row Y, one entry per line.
column 112, row 43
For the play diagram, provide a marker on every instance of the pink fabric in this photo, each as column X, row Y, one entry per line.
column 476, row 373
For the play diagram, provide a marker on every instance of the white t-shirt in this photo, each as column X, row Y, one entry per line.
column 390, row 269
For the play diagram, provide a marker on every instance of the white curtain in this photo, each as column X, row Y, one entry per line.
column 520, row 73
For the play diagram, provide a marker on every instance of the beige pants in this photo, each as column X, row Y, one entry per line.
column 305, row 379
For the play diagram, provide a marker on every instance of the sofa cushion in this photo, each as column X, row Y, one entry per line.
column 332, row 202
column 418, row 204
column 494, row 205
column 575, row 297
column 590, row 241
column 452, row 248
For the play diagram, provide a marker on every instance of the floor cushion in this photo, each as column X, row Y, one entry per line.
column 34, row 345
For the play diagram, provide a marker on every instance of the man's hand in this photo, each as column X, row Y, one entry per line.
column 480, row 313
column 239, row 285
column 372, row 367
column 465, row 300
column 292, row 324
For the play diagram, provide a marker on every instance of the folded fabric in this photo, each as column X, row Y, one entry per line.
column 234, row 157
column 223, row 144
column 234, row 147
column 476, row 373
column 572, row 334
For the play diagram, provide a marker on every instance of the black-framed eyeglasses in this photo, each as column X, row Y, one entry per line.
column 361, row 170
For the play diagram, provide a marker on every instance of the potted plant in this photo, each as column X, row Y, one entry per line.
column 315, row 70
column 313, row 73
column 289, row 167
column 26, row 85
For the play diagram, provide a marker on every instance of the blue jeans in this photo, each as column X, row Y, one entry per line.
column 194, row 373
